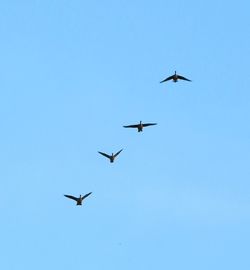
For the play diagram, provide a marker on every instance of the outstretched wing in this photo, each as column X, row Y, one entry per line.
column 183, row 78
column 104, row 154
column 167, row 79
column 71, row 197
column 131, row 126
column 149, row 124
column 118, row 153
column 86, row 195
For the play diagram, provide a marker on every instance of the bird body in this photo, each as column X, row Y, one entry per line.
column 175, row 78
column 140, row 126
column 78, row 200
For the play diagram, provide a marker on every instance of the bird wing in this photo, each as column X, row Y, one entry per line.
column 167, row 79
column 149, row 124
column 131, row 126
column 183, row 78
column 86, row 195
column 71, row 197
column 118, row 153
column 105, row 155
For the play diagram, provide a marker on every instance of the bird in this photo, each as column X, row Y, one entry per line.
column 175, row 78
column 79, row 199
column 140, row 126
column 112, row 157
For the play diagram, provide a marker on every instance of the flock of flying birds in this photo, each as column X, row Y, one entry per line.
column 175, row 77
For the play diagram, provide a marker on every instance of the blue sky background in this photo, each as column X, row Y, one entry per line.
column 72, row 73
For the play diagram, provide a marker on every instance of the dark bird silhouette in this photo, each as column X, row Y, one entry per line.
column 112, row 157
column 140, row 126
column 175, row 78
column 79, row 199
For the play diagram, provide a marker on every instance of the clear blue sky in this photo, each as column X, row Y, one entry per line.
column 72, row 73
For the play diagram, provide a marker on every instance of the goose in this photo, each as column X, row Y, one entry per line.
column 140, row 126
column 79, row 199
column 175, row 78
column 112, row 157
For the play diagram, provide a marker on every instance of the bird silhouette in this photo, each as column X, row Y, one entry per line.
column 79, row 199
column 112, row 156
column 140, row 126
column 175, row 78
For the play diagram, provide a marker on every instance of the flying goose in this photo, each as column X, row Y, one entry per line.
column 175, row 78
column 140, row 126
column 78, row 200
column 112, row 157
